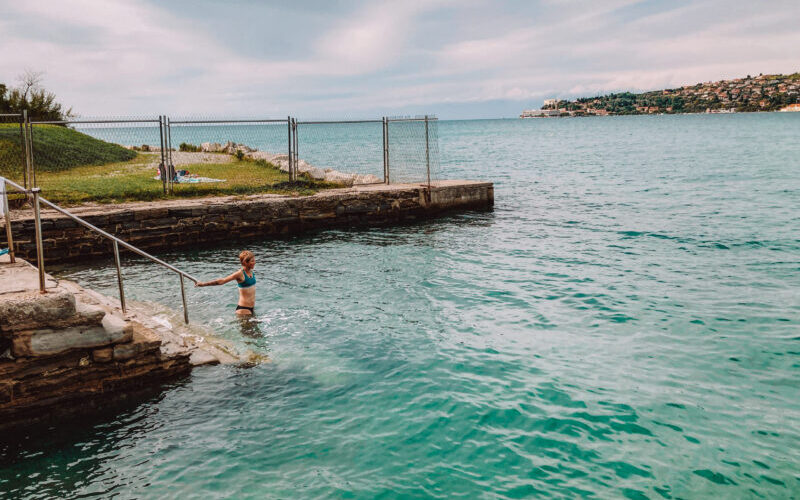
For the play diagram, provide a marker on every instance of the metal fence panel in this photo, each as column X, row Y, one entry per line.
column 413, row 150
column 349, row 151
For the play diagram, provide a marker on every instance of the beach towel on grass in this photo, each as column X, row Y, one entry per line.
column 191, row 180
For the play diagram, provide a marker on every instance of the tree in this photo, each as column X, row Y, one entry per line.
column 31, row 96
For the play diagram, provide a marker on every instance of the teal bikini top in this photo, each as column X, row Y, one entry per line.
column 248, row 280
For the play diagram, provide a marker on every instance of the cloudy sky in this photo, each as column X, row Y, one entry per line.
column 324, row 59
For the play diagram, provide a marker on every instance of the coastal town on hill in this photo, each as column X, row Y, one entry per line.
column 749, row 94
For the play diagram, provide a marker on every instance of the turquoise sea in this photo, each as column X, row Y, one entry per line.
column 624, row 324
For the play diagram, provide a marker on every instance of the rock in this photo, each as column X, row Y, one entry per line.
column 366, row 179
column 339, row 177
column 116, row 326
column 23, row 308
column 316, row 173
column 47, row 342
column 103, row 355
column 200, row 357
column 133, row 349
column 261, row 155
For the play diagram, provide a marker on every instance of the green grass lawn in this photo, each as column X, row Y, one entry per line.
column 134, row 181
column 74, row 168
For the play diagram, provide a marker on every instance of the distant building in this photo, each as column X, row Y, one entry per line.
column 540, row 113
column 550, row 103
column 791, row 108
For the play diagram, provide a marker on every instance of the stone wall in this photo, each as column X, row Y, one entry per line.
column 173, row 224
column 60, row 350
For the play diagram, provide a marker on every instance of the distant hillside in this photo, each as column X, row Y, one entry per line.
column 761, row 93
column 56, row 148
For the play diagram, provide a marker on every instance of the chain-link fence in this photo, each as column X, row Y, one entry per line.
column 349, row 151
column 145, row 158
column 253, row 152
column 413, row 149
column 12, row 143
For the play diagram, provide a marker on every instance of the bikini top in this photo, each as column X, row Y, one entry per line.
column 248, row 280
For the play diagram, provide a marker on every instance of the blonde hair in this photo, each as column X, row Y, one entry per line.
column 245, row 255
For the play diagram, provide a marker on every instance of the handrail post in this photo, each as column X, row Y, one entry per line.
column 119, row 277
column 427, row 154
column 9, row 235
column 38, row 229
column 183, row 297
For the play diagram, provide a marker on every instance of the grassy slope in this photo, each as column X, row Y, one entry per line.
column 56, row 149
column 133, row 181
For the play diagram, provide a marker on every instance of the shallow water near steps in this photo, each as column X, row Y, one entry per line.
column 624, row 323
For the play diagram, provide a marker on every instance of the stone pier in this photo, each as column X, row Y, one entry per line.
column 190, row 222
column 71, row 349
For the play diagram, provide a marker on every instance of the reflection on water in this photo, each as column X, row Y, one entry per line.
column 623, row 324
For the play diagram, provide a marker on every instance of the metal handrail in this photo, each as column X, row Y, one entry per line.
column 37, row 200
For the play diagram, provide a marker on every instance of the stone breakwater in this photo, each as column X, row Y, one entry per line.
column 187, row 223
column 70, row 350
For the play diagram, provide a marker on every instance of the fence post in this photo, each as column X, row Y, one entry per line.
column 170, row 165
column 427, row 154
column 161, row 168
column 9, row 235
column 27, row 148
column 30, row 146
column 23, row 149
column 38, row 229
column 296, row 147
column 289, row 126
column 385, row 150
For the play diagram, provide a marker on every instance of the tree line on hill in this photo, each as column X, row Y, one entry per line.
column 29, row 95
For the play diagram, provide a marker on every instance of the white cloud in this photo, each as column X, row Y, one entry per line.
column 125, row 56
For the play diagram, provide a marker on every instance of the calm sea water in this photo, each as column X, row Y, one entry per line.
column 624, row 323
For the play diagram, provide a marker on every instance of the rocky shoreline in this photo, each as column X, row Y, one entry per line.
column 213, row 152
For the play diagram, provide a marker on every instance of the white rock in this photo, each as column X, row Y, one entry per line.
column 200, row 357
column 316, row 173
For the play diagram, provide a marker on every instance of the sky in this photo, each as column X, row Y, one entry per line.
column 354, row 59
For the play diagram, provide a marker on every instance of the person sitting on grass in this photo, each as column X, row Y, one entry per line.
column 246, row 283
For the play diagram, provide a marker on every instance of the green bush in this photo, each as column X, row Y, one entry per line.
column 190, row 148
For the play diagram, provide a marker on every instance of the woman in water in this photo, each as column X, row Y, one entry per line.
column 246, row 281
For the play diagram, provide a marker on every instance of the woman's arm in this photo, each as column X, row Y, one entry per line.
column 235, row 276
